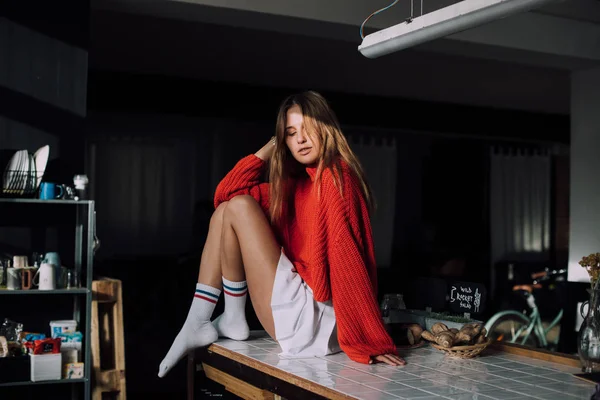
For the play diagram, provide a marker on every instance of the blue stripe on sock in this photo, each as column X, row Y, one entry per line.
column 207, row 293
column 235, row 289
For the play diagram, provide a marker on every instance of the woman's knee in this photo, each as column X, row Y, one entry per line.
column 241, row 205
column 217, row 216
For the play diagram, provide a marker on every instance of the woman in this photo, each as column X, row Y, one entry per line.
column 300, row 244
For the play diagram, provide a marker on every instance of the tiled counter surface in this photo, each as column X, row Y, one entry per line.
column 428, row 375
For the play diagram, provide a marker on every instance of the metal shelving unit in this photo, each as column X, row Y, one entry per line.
column 44, row 292
column 38, row 214
column 27, row 383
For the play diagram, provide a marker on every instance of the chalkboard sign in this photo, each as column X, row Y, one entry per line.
column 466, row 297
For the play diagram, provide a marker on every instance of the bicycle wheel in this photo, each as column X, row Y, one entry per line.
column 512, row 328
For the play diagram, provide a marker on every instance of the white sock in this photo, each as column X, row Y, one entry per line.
column 197, row 331
column 232, row 323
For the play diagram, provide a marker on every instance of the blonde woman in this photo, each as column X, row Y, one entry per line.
column 301, row 245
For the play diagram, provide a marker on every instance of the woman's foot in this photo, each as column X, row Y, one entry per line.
column 191, row 336
column 232, row 328
column 197, row 331
column 232, row 323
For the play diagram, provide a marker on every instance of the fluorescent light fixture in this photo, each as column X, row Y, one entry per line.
column 457, row 17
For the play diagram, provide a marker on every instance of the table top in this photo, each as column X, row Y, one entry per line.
column 429, row 374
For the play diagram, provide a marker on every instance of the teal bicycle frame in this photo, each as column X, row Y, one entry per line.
column 531, row 324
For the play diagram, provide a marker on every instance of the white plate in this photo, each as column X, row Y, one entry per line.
column 41, row 160
column 32, row 180
column 24, row 172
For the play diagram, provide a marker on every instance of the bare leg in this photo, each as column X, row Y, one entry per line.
column 240, row 243
column 197, row 330
column 210, row 262
column 249, row 248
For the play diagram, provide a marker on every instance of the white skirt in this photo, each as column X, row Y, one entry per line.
column 304, row 327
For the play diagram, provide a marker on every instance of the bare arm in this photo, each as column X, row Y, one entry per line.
column 267, row 150
column 244, row 178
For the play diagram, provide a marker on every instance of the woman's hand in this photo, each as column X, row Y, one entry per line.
column 265, row 152
column 390, row 359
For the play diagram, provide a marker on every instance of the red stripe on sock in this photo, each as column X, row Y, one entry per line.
column 235, row 294
column 206, row 298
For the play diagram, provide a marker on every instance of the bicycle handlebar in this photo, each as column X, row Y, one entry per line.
column 545, row 275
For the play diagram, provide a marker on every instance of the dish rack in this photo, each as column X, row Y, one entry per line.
column 20, row 183
column 22, row 171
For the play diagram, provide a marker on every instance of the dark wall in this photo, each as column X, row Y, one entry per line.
column 128, row 92
column 326, row 58
column 43, row 75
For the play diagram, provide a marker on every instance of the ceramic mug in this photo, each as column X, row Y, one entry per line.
column 51, row 191
column 20, row 261
column 26, row 278
column 13, row 279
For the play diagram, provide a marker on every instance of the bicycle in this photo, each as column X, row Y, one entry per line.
column 513, row 326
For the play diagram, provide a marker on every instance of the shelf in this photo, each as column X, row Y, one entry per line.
column 46, row 222
column 53, row 382
column 37, row 291
column 38, row 201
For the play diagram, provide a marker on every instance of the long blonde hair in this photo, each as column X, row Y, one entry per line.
column 322, row 124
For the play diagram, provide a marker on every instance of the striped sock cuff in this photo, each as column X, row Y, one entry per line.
column 207, row 293
column 235, row 289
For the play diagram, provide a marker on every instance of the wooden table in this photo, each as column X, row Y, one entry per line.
column 252, row 370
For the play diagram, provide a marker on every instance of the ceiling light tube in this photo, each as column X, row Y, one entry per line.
column 457, row 17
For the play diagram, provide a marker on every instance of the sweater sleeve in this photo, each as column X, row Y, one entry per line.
column 244, row 179
column 353, row 274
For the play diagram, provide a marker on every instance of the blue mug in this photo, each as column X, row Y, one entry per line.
column 48, row 191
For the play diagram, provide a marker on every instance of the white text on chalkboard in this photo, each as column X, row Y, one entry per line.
column 465, row 299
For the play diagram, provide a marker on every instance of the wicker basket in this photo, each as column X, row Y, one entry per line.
column 463, row 351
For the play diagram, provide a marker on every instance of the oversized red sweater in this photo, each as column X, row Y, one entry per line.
column 328, row 239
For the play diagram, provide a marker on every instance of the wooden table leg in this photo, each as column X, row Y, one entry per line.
column 191, row 372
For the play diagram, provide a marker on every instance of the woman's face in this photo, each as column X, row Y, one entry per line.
column 304, row 149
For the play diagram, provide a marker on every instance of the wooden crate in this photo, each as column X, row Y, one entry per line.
column 108, row 346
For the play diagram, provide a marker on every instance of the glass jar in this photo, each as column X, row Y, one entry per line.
column 588, row 343
column 391, row 302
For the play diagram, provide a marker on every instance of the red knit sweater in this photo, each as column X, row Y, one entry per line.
column 328, row 239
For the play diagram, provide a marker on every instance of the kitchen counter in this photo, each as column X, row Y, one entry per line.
column 252, row 369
